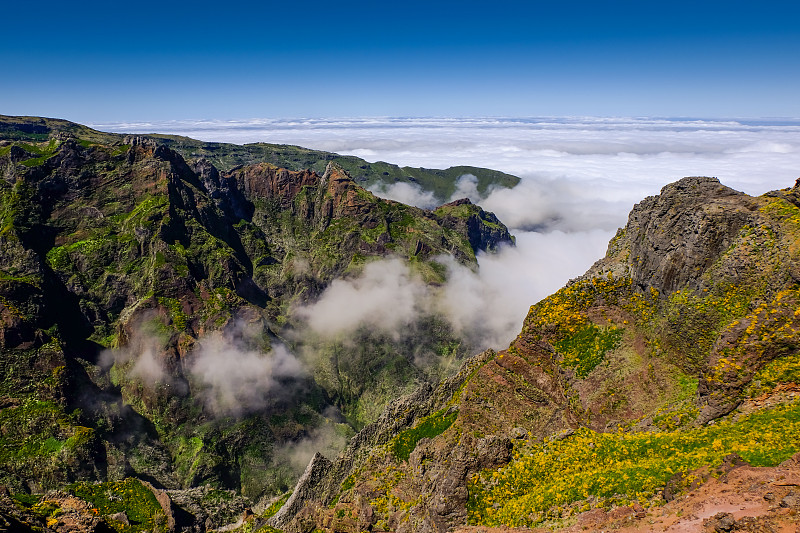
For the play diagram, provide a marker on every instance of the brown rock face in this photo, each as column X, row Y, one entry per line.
column 349, row 200
column 675, row 237
column 496, row 398
column 266, row 182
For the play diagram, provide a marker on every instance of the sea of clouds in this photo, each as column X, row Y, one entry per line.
column 580, row 178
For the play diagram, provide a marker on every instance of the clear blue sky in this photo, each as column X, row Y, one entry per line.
column 93, row 61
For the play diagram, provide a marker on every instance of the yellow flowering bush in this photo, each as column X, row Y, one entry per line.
column 774, row 330
column 783, row 370
column 618, row 467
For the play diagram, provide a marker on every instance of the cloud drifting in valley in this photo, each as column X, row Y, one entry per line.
column 231, row 370
column 484, row 307
column 386, row 296
column 237, row 379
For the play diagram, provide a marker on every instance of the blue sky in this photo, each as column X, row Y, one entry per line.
column 102, row 61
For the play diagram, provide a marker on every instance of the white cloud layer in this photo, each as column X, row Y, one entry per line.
column 594, row 168
column 623, row 157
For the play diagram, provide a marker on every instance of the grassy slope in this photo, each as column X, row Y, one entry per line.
column 740, row 338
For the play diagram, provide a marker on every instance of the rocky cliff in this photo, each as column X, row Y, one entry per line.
column 121, row 263
column 624, row 390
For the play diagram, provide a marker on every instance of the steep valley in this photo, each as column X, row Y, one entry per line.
column 160, row 372
column 671, row 362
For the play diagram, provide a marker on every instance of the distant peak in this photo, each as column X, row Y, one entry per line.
column 460, row 201
column 138, row 140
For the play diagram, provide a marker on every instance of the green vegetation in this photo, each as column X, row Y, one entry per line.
column 275, row 506
column 551, row 479
column 563, row 320
column 26, row 500
column 177, row 318
column 42, row 152
column 251, row 526
column 431, row 426
column 785, row 212
column 129, row 496
column 586, row 349
column 41, row 440
column 17, row 213
column 782, row 370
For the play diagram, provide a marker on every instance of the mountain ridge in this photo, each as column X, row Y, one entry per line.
column 225, row 156
column 673, row 361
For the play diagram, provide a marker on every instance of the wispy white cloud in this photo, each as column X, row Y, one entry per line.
column 485, row 307
column 386, row 296
column 490, row 304
column 407, row 193
column 237, row 379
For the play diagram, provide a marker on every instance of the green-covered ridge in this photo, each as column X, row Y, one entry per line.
column 677, row 349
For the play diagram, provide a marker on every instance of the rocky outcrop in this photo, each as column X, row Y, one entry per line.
column 435, row 474
column 266, row 182
column 306, row 488
column 673, row 239
column 441, row 479
column 700, row 238
column 200, row 509
column 484, row 231
column 491, row 392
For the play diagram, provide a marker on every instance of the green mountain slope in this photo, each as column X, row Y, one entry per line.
column 146, row 322
column 669, row 354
